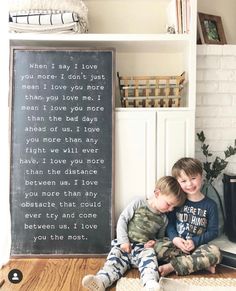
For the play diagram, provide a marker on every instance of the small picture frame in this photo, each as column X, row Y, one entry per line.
column 210, row 29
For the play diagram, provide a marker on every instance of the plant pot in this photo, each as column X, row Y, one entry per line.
column 230, row 206
column 210, row 191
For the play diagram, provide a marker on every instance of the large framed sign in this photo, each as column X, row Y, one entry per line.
column 62, row 120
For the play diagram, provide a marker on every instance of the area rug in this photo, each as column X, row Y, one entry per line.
column 193, row 284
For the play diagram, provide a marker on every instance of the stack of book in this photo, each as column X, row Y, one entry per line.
column 178, row 14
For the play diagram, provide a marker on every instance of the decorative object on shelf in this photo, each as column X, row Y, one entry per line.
column 151, row 91
column 213, row 169
column 210, row 29
column 170, row 29
column 48, row 16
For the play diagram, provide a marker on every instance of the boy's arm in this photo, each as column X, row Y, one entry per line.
column 124, row 218
column 173, row 234
column 212, row 227
column 162, row 231
column 171, row 227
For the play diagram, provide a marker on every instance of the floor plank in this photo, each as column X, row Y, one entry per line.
column 65, row 274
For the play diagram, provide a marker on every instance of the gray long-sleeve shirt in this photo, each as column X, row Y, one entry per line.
column 140, row 223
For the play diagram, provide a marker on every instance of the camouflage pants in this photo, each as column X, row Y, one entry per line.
column 203, row 257
column 118, row 262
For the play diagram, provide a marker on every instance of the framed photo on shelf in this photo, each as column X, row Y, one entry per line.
column 210, row 29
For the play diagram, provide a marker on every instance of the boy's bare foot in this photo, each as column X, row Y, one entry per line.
column 211, row 269
column 166, row 269
column 93, row 283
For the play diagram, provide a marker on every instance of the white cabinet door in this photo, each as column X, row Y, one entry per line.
column 135, row 138
column 175, row 138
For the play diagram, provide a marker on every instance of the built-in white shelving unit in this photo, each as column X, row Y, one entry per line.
column 148, row 140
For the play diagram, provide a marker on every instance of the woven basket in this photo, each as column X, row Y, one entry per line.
column 151, row 91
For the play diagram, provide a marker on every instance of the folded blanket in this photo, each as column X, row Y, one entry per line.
column 44, row 18
column 48, row 16
column 61, row 28
column 76, row 6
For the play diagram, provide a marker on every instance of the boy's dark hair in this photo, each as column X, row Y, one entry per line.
column 190, row 166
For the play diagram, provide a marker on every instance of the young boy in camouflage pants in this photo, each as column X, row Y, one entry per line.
column 190, row 227
column 141, row 221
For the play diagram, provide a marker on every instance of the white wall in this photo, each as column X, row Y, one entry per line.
column 216, row 101
column 123, row 15
column 227, row 10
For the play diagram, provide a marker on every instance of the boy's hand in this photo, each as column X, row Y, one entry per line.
column 181, row 244
column 149, row 244
column 126, row 247
column 189, row 244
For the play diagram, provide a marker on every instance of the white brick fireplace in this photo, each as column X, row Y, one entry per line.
column 216, row 107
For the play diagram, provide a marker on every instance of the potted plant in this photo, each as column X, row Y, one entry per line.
column 213, row 167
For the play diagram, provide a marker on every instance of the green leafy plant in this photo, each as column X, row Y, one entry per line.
column 214, row 168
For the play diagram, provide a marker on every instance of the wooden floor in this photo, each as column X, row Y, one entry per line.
column 66, row 273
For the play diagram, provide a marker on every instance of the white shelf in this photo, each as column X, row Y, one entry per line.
column 154, row 109
column 168, row 43
column 99, row 36
column 137, row 31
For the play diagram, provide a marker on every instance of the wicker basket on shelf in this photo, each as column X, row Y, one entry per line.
column 151, row 91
